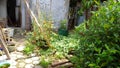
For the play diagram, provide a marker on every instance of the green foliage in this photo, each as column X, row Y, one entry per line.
column 63, row 32
column 39, row 38
column 35, row 39
column 64, row 44
column 28, row 49
column 63, row 24
column 95, row 47
column 63, row 28
column 44, row 62
column 100, row 44
column 87, row 4
column 6, row 65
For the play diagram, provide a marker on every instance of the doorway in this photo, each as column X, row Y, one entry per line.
column 13, row 14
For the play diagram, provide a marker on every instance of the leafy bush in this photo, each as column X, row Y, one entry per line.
column 64, row 44
column 100, row 43
column 39, row 38
column 6, row 65
column 63, row 28
column 44, row 63
column 28, row 49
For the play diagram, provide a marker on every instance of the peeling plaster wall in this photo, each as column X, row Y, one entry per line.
column 3, row 9
column 57, row 10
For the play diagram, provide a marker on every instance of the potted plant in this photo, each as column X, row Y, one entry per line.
column 63, row 30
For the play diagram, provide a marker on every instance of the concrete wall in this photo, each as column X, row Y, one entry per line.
column 53, row 9
column 57, row 10
column 3, row 9
column 23, row 18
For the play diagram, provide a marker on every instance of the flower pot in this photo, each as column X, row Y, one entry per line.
column 63, row 32
column 11, row 47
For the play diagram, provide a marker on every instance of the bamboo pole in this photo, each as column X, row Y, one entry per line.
column 36, row 21
column 4, row 44
column 33, row 15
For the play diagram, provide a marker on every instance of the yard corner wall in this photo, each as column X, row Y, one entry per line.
column 55, row 10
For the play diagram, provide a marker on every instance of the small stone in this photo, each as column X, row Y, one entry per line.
column 12, row 67
column 28, row 61
column 20, row 48
column 17, row 53
column 13, row 55
column 22, row 64
column 35, row 58
column 33, row 54
column 36, row 62
column 20, row 56
column 19, row 61
column 3, row 57
column 13, row 62
column 14, row 58
column 29, row 66
column 38, row 66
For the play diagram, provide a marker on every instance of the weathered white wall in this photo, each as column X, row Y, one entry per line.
column 3, row 9
column 57, row 10
column 23, row 14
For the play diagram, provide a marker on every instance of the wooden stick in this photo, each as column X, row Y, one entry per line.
column 36, row 21
column 60, row 63
column 4, row 44
column 33, row 15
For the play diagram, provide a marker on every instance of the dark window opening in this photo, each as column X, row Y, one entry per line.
column 13, row 16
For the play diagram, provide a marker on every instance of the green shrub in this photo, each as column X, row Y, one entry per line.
column 36, row 39
column 63, row 28
column 100, row 44
column 28, row 49
column 63, row 44
column 6, row 65
column 44, row 63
